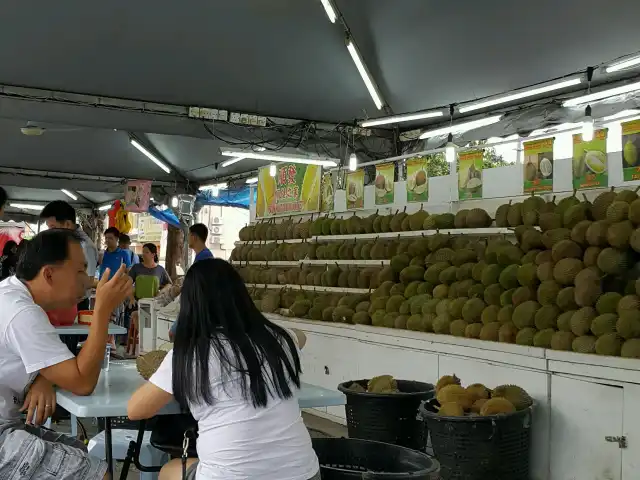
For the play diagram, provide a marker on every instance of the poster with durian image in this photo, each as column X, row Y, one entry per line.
column 326, row 202
column 417, row 180
column 630, row 149
column 470, row 174
column 354, row 189
column 590, row 164
column 294, row 189
column 384, row 183
column 538, row 165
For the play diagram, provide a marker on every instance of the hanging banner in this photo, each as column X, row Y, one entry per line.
column 470, row 174
column 538, row 165
column 355, row 189
column 294, row 189
column 384, row 184
column 327, row 193
column 136, row 195
column 149, row 229
column 630, row 147
column 590, row 161
column 417, row 180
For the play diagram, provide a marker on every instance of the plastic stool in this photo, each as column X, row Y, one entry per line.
column 149, row 455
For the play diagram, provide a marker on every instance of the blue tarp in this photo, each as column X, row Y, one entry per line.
column 238, row 197
column 166, row 216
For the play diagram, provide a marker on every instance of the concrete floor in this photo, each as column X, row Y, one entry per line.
column 318, row 427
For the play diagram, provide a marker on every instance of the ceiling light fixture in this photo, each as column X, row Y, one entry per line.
column 353, row 162
column 518, row 95
column 26, row 206
column 623, row 64
column 401, row 118
column 104, row 207
column 587, row 125
column 174, row 202
column 69, row 194
column 281, row 157
column 364, row 73
column 150, row 155
column 251, row 180
column 461, row 127
column 213, row 186
column 593, row 97
column 622, row 114
column 231, row 161
column 273, row 170
column 328, row 8
column 450, row 150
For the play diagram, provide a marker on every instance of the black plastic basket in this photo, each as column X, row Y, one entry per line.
column 348, row 458
column 481, row 448
column 388, row 417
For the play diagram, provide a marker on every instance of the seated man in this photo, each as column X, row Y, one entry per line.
column 51, row 274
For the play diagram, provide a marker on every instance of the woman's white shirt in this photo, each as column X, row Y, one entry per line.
column 239, row 441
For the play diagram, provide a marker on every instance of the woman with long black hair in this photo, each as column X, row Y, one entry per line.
column 238, row 374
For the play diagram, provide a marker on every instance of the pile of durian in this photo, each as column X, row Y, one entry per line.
column 567, row 283
column 400, row 221
column 379, row 384
column 454, row 400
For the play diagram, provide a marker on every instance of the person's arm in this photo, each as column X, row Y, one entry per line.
column 154, row 395
column 79, row 375
column 172, row 330
column 165, row 279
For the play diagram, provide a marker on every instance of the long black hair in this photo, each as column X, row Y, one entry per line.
column 153, row 249
column 217, row 313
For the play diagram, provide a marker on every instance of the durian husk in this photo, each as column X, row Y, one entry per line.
column 148, row 363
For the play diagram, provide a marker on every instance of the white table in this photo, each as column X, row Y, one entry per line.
column 115, row 388
column 81, row 329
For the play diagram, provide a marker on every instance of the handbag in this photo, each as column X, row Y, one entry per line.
column 173, row 434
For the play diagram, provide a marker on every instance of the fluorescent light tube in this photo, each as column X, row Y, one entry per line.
column 587, row 130
column 231, row 161
column 213, row 186
column 150, row 155
column 353, row 162
column 331, row 13
column 69, row 194
column 174, row 202
column 462, row 127
column 281, row 157
column 622, row 114
column 450, row 150
column 401, row 118
column 364, row 73
column 251, row 180
column 593, row 97
column 517, row 95
column 623, row 64
column 104, row 207
column 273, row 170
column 26, row 206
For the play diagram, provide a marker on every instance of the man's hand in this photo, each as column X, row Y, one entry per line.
column 40, row 400
column 111, row 293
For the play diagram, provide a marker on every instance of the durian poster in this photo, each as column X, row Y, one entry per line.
column 327, row 193
column 417, row 180
column 384, row 183
column 538, row 165
column 470, row 174
column 590, row 164
column 630, row 147
column 354, row 187
column 294, row 189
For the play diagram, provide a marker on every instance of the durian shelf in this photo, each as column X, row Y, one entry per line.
column 316, row 288
column 481, row 232
column 364, row 263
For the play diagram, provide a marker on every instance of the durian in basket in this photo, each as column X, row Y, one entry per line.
column 148, row 363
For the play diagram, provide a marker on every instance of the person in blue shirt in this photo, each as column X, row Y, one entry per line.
column 198, row 234
column 113, row 256
column 124, row 243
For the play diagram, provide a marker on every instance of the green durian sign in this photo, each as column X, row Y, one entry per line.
column 590, row 162
column 630, row 150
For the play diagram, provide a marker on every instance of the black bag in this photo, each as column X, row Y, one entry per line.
column 169, row 432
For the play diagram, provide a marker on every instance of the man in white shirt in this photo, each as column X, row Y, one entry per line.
column 51, row 274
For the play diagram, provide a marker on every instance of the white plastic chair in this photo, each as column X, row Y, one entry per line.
column 149, row 455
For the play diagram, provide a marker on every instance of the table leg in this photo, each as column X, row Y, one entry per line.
column 74, row 426
column 108, row 446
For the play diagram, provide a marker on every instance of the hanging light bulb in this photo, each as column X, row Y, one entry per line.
column 174, row 202
column 450, row 150
column 587, row 125
column 353, row 162
column 272, row 170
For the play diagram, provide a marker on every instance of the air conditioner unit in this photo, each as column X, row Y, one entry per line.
column 215, row 241
column 216, row 221
column 215, row 230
